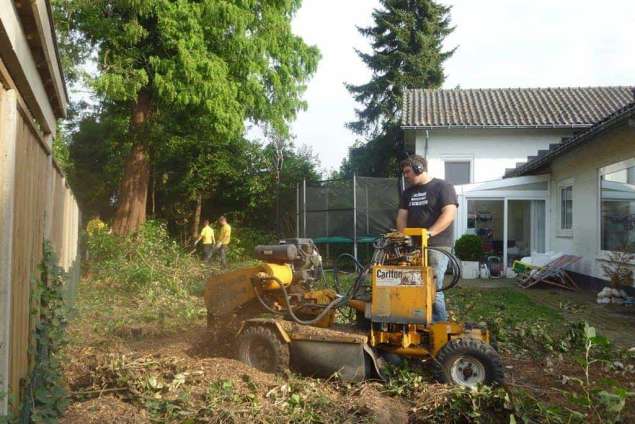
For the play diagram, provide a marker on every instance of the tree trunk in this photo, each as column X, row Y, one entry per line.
column 197, row 217
column 133, row 191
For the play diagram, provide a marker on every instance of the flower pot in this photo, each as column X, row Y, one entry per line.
column 470, row 270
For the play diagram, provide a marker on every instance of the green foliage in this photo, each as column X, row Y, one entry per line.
column 469, row 247
column 598, row 402
column 44, row 398
column 518, row 322
column 149, row 276
column 406, row 40
column 185, row 53
column 98, row 148
column 379, row 156
column 194, row 72
column 618, row 267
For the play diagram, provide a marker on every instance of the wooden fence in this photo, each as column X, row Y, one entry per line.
column 36, row 204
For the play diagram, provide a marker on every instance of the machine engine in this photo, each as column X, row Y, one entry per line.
column 300, row 254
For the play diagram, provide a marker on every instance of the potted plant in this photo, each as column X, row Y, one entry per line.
column 469, row 249
column 619, row 270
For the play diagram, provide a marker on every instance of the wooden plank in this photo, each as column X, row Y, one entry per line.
column 31, row 183
column 8, row 130
column 18, row 57
column 7, row 81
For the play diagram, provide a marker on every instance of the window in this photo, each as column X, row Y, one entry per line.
column 566, row 207
column 458, row 172
column 617, row 206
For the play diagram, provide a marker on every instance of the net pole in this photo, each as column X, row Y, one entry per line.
column 297, row 210
column 367, row 228
column 355, row 216
column 304, row 206
column 328, row 232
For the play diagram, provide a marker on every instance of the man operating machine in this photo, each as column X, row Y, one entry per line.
column 429, row 203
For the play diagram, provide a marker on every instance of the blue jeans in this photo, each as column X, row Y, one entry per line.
column 440, row 264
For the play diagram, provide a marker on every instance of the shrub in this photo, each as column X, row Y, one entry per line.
column 469, row 248
column 618, row 268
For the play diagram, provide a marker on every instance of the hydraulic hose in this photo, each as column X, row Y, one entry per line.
column 456, row 268
column 339, row 301
column 358, row 266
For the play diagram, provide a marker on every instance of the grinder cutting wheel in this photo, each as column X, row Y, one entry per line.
column 398, row 297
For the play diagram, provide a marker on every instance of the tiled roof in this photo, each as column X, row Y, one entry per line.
column 575, row 107
column 544, row 157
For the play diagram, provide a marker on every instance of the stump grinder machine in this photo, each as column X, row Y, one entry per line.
column 392, row 299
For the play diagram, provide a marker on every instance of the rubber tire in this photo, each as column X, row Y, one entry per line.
column 494, row 373
column 278, row 350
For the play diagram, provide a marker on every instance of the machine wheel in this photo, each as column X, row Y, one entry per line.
column 261, row 348
column 468, row 362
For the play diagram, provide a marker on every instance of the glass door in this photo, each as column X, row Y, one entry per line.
column 525, row 229
column 486, row 219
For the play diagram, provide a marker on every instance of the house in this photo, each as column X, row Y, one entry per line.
column 591, row 185
column 471, row 136
column 36, row 204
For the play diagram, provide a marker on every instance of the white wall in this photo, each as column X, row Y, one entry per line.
column 582, row 165
column 491, row 151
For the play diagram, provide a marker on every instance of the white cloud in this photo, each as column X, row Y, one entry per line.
column 502, row 43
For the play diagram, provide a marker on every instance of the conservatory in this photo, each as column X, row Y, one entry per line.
column 510, row 216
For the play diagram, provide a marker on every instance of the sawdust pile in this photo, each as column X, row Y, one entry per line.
column 175, row 380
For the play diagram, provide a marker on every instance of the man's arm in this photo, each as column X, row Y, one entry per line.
column 448, row 213
column 402, row 219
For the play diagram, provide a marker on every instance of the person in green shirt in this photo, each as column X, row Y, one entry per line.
column 207, row 235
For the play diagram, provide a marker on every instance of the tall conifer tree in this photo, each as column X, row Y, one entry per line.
column 407, row 52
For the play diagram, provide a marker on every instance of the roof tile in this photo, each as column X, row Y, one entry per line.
column 561, row 107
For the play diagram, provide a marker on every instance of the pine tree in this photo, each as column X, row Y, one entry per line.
column 407, row 52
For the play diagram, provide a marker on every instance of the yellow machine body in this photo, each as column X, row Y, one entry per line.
column 283, row 272
column 402, row 294
column 401, row 301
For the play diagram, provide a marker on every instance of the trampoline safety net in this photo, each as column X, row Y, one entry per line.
column 355, row 210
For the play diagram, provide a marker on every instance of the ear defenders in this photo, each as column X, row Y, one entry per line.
column 417, row 167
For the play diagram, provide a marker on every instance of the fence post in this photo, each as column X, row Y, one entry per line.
column 8, row 124
column 297, row 210
column 355, row 216
column 304, row 206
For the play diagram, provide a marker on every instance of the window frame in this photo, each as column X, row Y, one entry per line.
column 459, row 158
column 562, row 185
column 604, row 170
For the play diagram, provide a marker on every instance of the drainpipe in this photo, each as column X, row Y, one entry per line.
column 425, row 148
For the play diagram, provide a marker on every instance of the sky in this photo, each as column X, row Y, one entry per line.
column 501, row 43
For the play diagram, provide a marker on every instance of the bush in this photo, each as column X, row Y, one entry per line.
column 469, row 248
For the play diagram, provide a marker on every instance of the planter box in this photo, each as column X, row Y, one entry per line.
column 470, row 270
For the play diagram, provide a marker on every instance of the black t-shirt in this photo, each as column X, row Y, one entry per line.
column 424, row 204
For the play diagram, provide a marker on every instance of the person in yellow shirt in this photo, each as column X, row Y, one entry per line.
column 207, row 235
column 224, row 237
